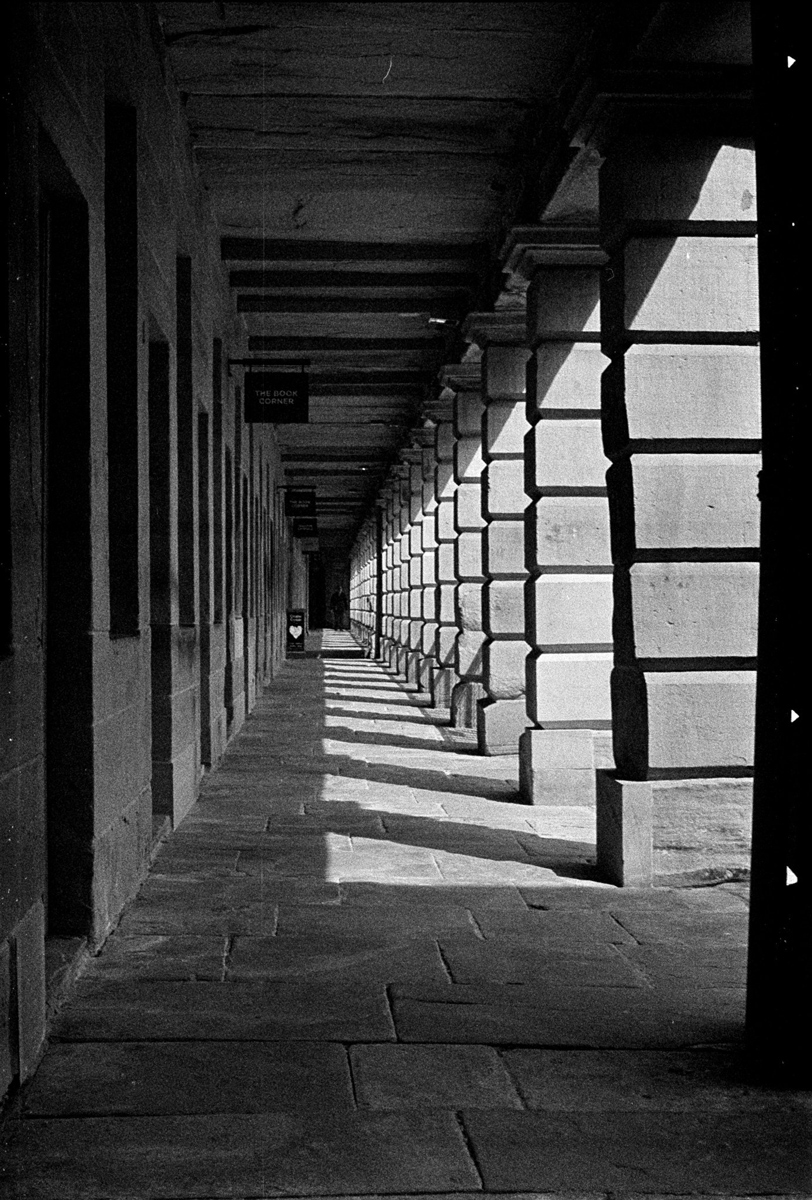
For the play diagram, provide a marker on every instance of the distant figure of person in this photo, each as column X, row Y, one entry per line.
column 338, row 604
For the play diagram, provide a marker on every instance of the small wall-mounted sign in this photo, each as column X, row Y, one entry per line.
column 309, row 545
column 296, row 631
column 277, row 397
column 305, row 527
column 300, row 502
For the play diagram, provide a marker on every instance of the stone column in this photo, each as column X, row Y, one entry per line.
column 466, row 382
column 401, row 545
column 388, row 554
column 501, row 715
column 416, row 567
column 445, row 486
column 569, row 593
column 680, row 423
column 428, row 643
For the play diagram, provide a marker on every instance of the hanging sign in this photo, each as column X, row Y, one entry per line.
column 309, row 545
column 278, row 397
column 300, row 502
column 296, row 631
column 305, row 527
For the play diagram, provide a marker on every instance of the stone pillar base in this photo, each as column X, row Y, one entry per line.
column 412, row 668
column 624, row 828
column 425, row 673
column 464, row 699
column 500, row 724
column 557, row 766
column 442, row 686
column 401, row 661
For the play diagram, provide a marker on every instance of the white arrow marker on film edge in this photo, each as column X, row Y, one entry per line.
column 790, row 62
column 793, row 715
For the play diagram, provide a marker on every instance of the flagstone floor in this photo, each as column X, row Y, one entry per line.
column 360, row 967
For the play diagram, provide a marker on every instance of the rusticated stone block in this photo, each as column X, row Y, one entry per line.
column 503, row 491
column 569, row 531
column 566, row 375
column 467, row 416
column 568, row 688
column 503, row 372
column 504, row 607
column 694, row 610
column 447, row 602
column 687, row 391
column 469, row 606
column 469, row 556
column 563, row 302
column 468, row 507
column 700, row 284
column 446, row 645
column 504, row 668
column 704, row 501
column 570, row 610
column 500, row 724
column 682, row 720
column 505, row 548
column 568, row 454
column 469, row 654
column 717, row 180
column 503, row 427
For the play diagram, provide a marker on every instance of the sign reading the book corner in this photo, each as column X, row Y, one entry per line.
column 278, row 397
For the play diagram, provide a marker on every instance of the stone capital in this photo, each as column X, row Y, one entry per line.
column 529, row 247
column 684, row 99
column 506, row 327
column 461, row 377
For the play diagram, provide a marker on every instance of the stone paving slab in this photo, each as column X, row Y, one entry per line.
column 274, row 1154
column 663, row 901
column 155, row 1010
column 416, row 920
column 419, row 1077
column 462, row 869
column 690, row 965
column 532, row 1015
column 132, row 1078
column 702, row 1152
column 510, row 960
column 704, row 1080
column 160, row 956
column 455, row 837
column 174, row 917
column 714, row 929
column 381, row 959
column 565, row 927
column 374, row 895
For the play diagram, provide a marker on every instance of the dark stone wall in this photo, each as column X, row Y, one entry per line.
column 108, row 721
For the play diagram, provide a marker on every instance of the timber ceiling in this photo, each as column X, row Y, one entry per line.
column 364, row 161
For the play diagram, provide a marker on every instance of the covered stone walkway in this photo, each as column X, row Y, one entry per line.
column 361, row 966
